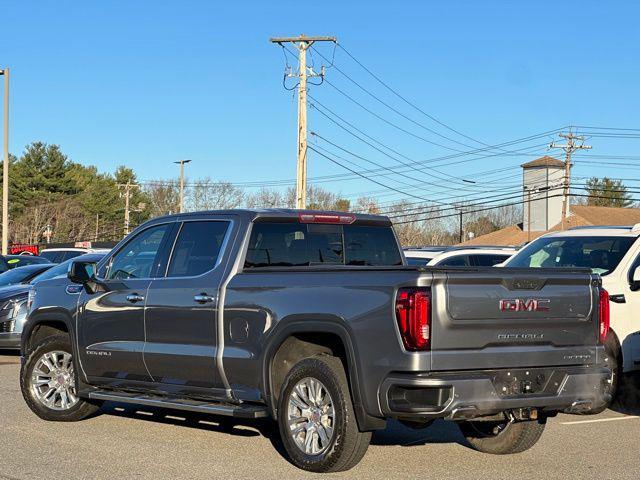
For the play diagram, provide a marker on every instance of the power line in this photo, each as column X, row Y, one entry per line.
column 363, row 176
column 315, row 105
column 411, row 104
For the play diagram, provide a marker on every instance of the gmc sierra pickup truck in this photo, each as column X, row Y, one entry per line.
column 314, row 319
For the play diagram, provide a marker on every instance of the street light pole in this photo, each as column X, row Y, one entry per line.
column 182, row 162
column 5, row 165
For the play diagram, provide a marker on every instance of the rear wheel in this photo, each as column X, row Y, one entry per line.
column 502, row 437
column 48, row 382
column 316, row 417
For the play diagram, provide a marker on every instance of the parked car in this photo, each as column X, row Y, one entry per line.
column 421, row 255
column 4, row 265
column 58, row 255
column 13, row 300
column 472, row 257
column 22, row 275
column 614, row 254
column 21, row 260
column 311, row 318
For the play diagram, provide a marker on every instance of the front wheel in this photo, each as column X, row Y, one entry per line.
column 502, row 437
column 316, row 417
column 48, row 382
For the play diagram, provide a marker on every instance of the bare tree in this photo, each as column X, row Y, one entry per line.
column 164, row 196
column 208, row 194
column 266, row 198
column 366, row 205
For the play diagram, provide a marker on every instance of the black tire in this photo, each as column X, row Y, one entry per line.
column 613, row 361
column 502, row 438
column 80, row 410
column 347, row 444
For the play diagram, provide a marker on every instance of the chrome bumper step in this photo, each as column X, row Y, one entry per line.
column 226, row 409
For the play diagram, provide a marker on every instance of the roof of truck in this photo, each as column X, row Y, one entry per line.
column 284, row 213
column 598, row 231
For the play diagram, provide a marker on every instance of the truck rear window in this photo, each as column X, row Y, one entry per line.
column 301, row 245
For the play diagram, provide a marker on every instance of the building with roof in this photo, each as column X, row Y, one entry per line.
column 542, row 209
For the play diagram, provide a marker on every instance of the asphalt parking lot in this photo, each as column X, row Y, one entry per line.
column 129, row 442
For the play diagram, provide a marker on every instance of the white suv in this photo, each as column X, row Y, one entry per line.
column 614, row 253
column 472, row 257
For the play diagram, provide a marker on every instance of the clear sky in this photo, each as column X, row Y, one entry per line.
column 145, row 83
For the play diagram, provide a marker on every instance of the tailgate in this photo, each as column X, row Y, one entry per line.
column 509, row 318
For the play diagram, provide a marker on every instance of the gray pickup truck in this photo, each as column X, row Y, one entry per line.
column 314, row 319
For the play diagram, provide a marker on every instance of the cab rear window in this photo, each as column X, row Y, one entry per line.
column 300, row 245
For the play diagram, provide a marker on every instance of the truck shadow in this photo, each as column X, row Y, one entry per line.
column 395, row 433
column 438, row 432
column 628, row 398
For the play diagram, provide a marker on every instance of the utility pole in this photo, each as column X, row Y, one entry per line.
column 97, row 222
column 5, row 166
column 302, row 43
column 573, row 143
column 182, row 162
column 48, row 232
column 528, row 190
column 128, row 187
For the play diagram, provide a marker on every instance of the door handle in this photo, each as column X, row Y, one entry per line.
column 619, row 298
column 134, row 298
column 203, row 298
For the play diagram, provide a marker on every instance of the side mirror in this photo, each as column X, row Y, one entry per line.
column 81, row 272
column 635, row 280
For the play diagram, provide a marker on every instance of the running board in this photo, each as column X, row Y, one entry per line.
column 226, row 409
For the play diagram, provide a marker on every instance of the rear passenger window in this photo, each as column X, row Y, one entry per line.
column 297, row 245
column 489, row 260
column 197, row 248
column 459, row 261
column 71, row 254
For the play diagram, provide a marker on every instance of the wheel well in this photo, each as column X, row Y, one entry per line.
column 43, row 330
column 613, row 336
column 297, row 347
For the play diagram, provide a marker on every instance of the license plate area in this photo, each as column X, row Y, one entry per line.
column 528, row 381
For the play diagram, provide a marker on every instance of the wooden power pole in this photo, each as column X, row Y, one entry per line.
column 128, row 187
column 573, row 143
column 5, row 166
column 302, row 43
column 182, row 162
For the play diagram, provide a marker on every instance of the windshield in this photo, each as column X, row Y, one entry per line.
column 59, row 270
column 600, row 254
column 19, row 275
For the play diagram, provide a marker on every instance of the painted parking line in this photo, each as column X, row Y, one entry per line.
column 599, row 420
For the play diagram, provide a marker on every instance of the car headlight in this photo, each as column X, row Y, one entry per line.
column 20, row 309
column 30, row 298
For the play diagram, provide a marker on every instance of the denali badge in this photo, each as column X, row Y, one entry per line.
column 100, row 353
column 525, row 305
column 520, row 336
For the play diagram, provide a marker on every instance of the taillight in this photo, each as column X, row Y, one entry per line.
column 413, row 313
column 604, row 314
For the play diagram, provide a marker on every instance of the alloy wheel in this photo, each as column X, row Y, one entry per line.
column 53, row 381
column 311, row 416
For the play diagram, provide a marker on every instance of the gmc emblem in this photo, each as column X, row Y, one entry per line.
column 525, row 305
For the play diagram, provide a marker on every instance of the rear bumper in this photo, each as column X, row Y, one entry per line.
column 487, row 392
